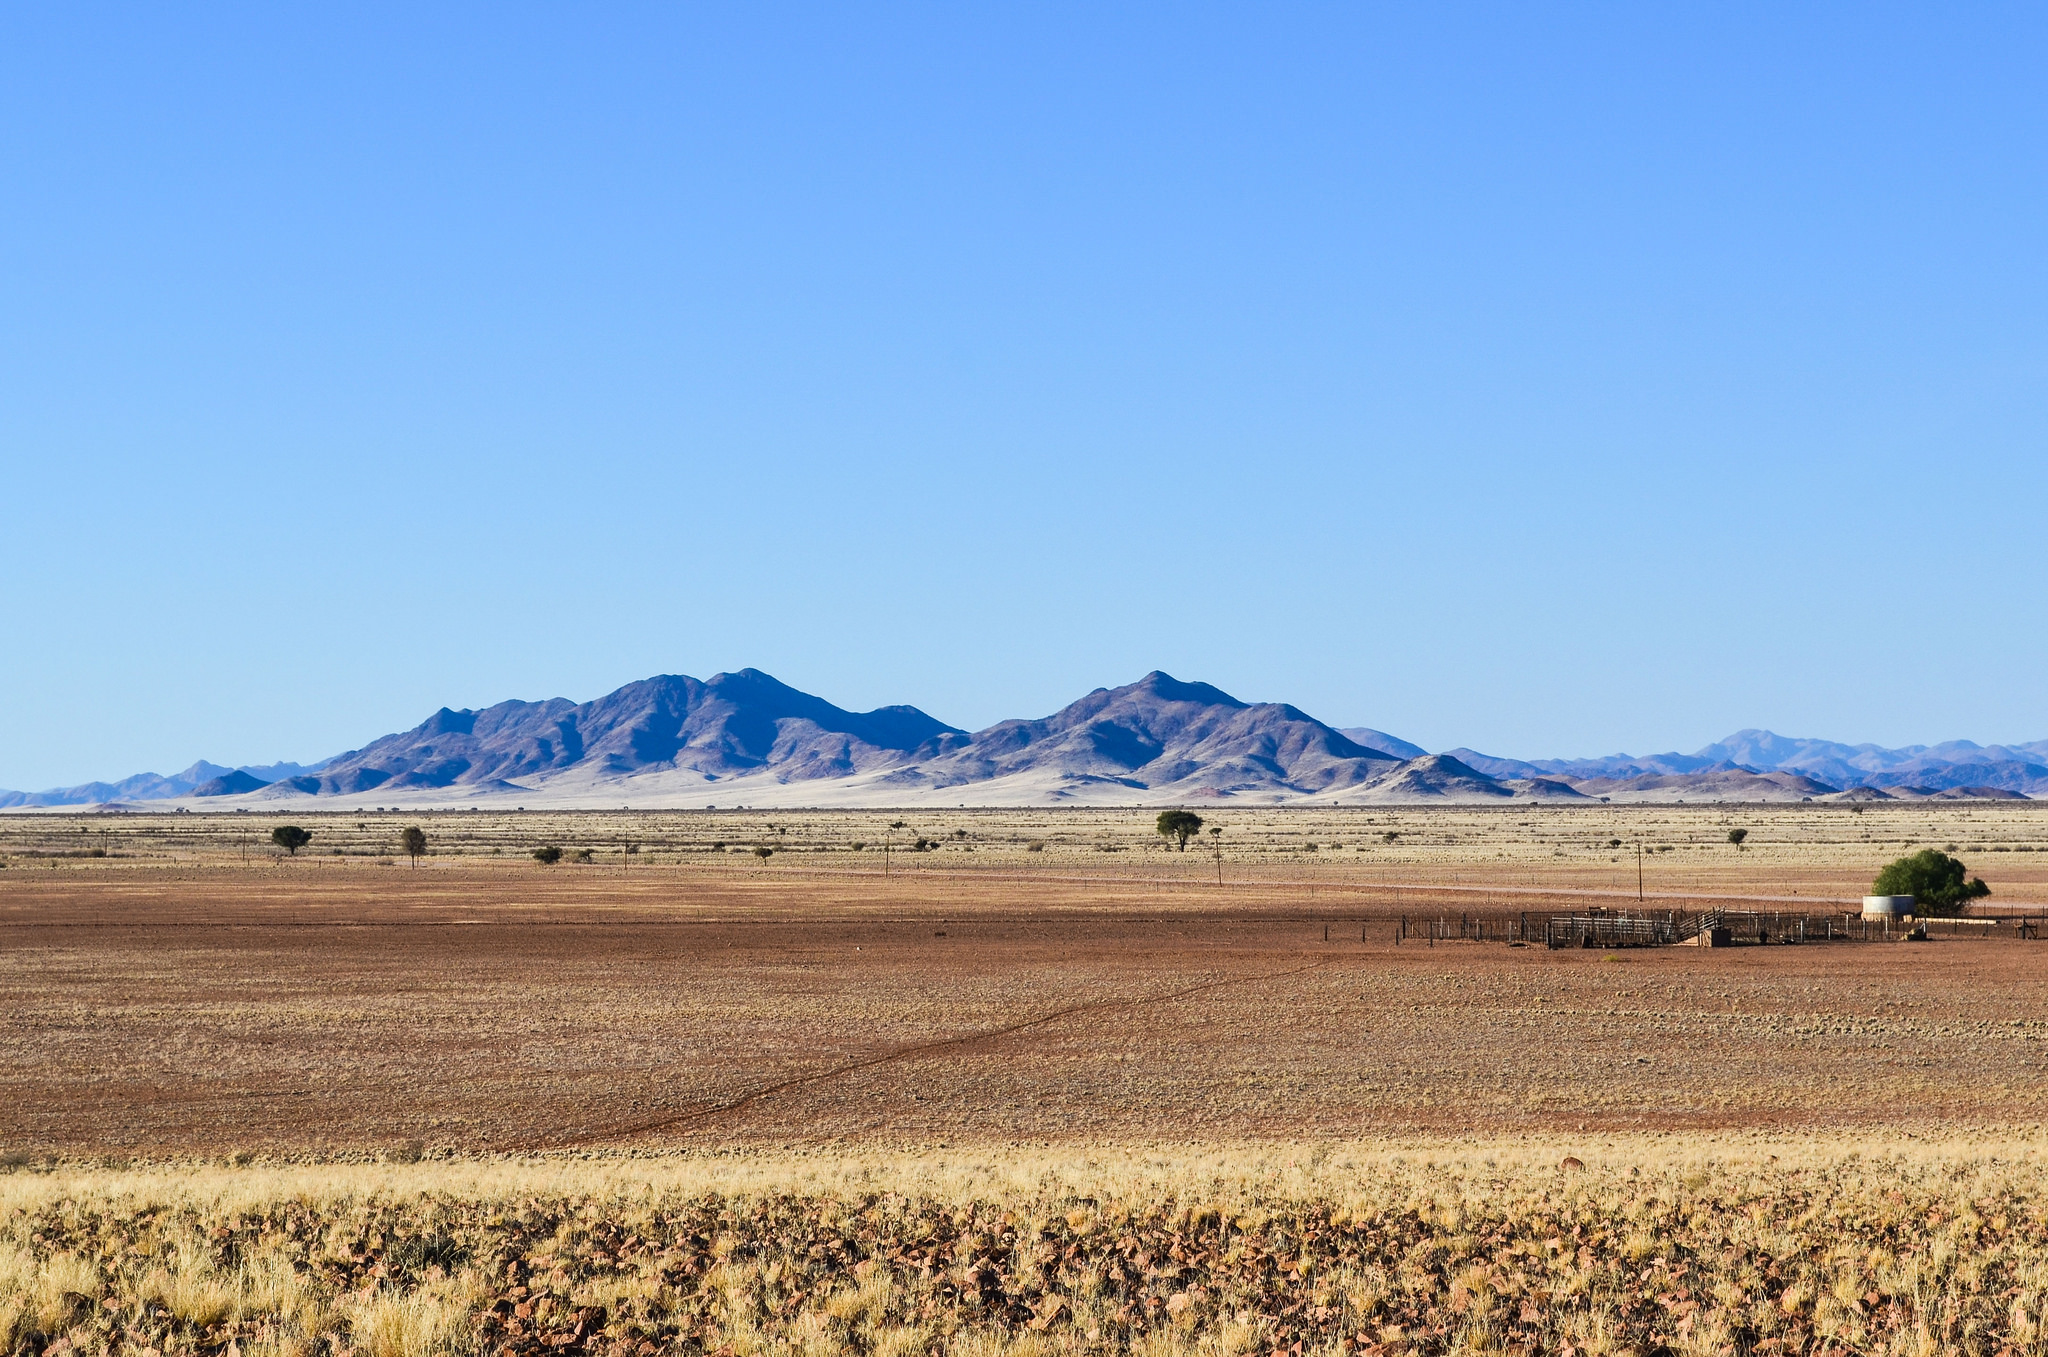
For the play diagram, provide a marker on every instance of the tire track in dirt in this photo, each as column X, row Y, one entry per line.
column 916, row 1049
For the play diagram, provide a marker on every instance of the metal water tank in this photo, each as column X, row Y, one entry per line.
column 1887, row 906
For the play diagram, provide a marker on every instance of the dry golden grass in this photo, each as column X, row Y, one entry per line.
column 1655, row 1245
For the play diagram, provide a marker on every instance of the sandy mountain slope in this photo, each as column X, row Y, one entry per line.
column 1727, row 783
column 1611, row 766
column 1434, row 777
column 1161, row 735
column 729, row 725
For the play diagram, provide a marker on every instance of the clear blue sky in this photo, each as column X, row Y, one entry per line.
column 1548, row 379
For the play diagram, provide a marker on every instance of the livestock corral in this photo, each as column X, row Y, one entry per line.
column 1014, row 1081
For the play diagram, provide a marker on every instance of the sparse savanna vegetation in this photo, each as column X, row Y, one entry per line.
column 1049, row 1087
column 1638, row 1247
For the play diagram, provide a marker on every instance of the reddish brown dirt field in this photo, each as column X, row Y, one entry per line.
column 202, row 1009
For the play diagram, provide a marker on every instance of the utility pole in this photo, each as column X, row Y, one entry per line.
column 1639, row 871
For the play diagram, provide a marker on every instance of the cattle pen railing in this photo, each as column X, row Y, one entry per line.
column 1617, row 928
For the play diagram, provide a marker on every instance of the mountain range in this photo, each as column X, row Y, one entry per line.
column 202, row 778
column 747, row 739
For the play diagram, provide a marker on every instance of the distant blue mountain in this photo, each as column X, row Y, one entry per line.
column 1188, row 736
column 1380, row 740
column 195, row 780
column 1925, row 768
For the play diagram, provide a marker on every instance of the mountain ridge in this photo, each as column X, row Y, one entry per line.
column 676, row 740
column 151, row 786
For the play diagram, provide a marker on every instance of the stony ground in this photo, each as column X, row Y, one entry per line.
column 187, row 1002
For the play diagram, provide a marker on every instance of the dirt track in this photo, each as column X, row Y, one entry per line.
column 202, row 1008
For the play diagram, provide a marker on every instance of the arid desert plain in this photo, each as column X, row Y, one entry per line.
column 790, row 1082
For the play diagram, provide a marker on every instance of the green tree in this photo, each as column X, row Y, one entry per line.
column 763, row 852
column 414, row 842
column 291, row 838
column 1935, row 880
column 547, row 855
column 1736, row 836
column 1178, row 826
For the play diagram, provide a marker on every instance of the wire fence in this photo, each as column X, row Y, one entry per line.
column 1720, row 927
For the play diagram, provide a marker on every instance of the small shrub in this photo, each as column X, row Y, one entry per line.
column 547, row 855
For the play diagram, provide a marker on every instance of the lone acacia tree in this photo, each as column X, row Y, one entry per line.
column 291, row 838
column 1935, row 880
column 548, row 855
column 414, row 842
column 1178, row 826
column 1736, row 836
